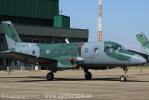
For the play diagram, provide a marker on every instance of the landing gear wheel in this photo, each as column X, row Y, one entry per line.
column 50, row 76
column 88, row 76
column 123, row 78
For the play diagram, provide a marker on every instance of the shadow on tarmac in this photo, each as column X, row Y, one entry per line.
column 96, row 79
column 42, row 78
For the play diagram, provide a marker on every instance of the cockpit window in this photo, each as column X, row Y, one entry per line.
column 123, row 48
column 113, row 48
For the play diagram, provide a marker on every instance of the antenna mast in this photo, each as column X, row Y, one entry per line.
column 100, row 21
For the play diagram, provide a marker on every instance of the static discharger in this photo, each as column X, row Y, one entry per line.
column 100, row 21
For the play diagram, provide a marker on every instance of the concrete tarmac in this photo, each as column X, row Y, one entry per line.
column 70, row 85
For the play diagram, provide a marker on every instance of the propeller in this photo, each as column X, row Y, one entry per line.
column 77, row 60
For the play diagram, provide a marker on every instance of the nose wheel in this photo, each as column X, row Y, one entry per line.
column 50, row 76
column 123, row 78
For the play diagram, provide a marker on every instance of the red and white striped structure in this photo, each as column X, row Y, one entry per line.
column 100, row 21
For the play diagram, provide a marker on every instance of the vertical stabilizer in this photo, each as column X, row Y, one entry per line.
column 143, row 40
column 10, row 34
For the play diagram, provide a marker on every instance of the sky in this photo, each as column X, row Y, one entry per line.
column 122, row 19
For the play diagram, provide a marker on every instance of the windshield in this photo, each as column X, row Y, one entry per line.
column 113, row 48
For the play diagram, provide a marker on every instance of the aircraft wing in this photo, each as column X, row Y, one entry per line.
column 43, row 62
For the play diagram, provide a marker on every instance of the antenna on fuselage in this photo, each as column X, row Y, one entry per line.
column 67, row 40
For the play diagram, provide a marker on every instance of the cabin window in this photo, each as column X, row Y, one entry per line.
column 47, row 51
column 86, row 50
column 96, row 50
column 41, row 51
column 71, row 50
column 55, row 51
column 63, row 50
column 33, row 52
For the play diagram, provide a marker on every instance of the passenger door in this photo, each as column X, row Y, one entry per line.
column 86, row 53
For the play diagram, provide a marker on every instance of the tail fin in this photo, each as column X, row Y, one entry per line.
column 10, row 34
column 143, row 40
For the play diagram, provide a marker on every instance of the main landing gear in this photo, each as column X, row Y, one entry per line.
column 88, row 75
column 123, row 78
column 50, row 76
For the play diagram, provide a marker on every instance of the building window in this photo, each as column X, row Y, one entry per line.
column 42, row 41
column 25, row 40
column 48, row 41
column 30, row 41
column 56, row 42
column 35, row 41
column 1, row 40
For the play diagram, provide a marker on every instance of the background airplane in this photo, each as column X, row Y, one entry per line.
column 144, row 42
column 55, row 57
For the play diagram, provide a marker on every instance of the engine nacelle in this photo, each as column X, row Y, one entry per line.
column 79, row 59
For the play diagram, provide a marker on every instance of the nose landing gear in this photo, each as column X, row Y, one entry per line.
column 123, row 78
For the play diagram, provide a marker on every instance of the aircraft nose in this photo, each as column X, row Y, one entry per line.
column 137, row 59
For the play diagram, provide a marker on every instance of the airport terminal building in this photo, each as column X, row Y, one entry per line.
column 36, row 21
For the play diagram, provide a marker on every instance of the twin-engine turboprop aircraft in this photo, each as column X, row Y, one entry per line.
column 55, row 57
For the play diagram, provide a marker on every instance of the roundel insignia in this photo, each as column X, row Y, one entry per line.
column 80, row 45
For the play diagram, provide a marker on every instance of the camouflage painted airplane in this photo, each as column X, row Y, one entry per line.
column 144, row 42
column 56, row 57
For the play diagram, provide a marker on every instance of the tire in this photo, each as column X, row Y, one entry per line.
column 123, row 78
column 50, row 76
column 88, row 76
